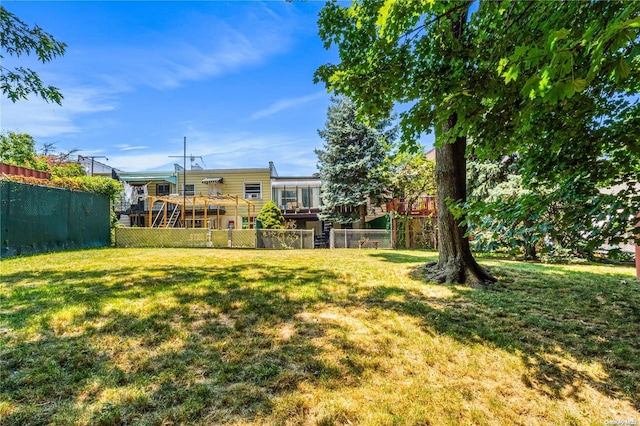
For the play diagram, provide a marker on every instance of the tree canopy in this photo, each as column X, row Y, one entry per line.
column 412, row 176
column 556, row 83
column 18, row 149
column 514, row 62
column 17, row 39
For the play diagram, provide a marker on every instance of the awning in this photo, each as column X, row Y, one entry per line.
column 212, row 180
column 316, row 183
column 149, row 178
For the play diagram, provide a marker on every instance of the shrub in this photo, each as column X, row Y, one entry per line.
column 271, row 217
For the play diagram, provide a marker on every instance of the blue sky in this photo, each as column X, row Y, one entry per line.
column 235, row 78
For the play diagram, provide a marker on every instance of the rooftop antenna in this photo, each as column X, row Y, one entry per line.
column 193, row 159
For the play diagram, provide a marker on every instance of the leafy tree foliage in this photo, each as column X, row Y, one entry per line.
column 18, row 149
column 501, row 214
column 270, row 216
column 96, row 184
column 68, row 170
column 352, row 163
column 412, row 176
column 572, row 218
column 533, row 78
column 17, row 39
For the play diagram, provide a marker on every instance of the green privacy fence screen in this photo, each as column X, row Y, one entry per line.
column 36, row 219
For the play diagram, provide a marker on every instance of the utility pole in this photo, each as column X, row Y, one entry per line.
column 184, row 181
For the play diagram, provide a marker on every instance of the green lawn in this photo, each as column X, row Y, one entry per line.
column 202, row 336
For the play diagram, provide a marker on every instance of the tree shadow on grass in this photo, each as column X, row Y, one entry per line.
column 211, row 345
column 207, row 345
column 403, row 257
column 544, row 316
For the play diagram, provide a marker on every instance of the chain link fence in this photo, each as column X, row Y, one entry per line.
column 161, row 237
column 285, row 238
column 236, row 238
column 360, row 238
column 249, row 238
column 198, row 237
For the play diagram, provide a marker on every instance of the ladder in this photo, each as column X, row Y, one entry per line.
column 159, row 217
column 175, row 215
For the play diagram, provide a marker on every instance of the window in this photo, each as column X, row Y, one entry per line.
column 288, row 198
column 163, row 189
column 306, row 197
column 252, row 191
column 190, row 189
column 248, row 225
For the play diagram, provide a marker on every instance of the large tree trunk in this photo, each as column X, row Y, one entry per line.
column 455, row 263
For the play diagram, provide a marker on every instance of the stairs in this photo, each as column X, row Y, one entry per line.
column 125, row 220
column 157, row 221
column 175, row 215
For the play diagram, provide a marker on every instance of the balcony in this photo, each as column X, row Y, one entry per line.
column 297, row 210
column 423, row 206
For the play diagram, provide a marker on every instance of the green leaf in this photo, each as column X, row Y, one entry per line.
column 579, row 84
column 511, row 74
column 622, row 69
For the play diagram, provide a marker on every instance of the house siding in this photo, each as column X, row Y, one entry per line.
column 233, row 181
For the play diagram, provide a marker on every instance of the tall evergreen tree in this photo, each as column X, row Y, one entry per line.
column 351, row 163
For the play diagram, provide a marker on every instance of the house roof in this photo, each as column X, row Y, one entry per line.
column 279, row 183
column 149, row 177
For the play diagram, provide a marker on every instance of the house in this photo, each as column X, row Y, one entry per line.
column 134, row 206
column 300, row 203
column 92, row 167
column 221, row 199
column 196, row 198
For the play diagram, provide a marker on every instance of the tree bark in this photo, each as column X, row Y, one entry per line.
column 455, row 261
column 529, row 248
column 362, row 210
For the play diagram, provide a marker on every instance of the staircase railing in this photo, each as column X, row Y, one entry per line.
column 157, row 221
column 175, row 215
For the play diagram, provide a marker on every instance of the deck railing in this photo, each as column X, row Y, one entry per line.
column 423, row 206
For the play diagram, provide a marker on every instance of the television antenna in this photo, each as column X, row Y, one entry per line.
column 192, row 158
column 194, row 165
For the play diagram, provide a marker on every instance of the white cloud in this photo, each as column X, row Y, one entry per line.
column 232, row 150
column 40, row 119
column 139, row 162
column 127, row 147
column 170, row 60
column 285, row 104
